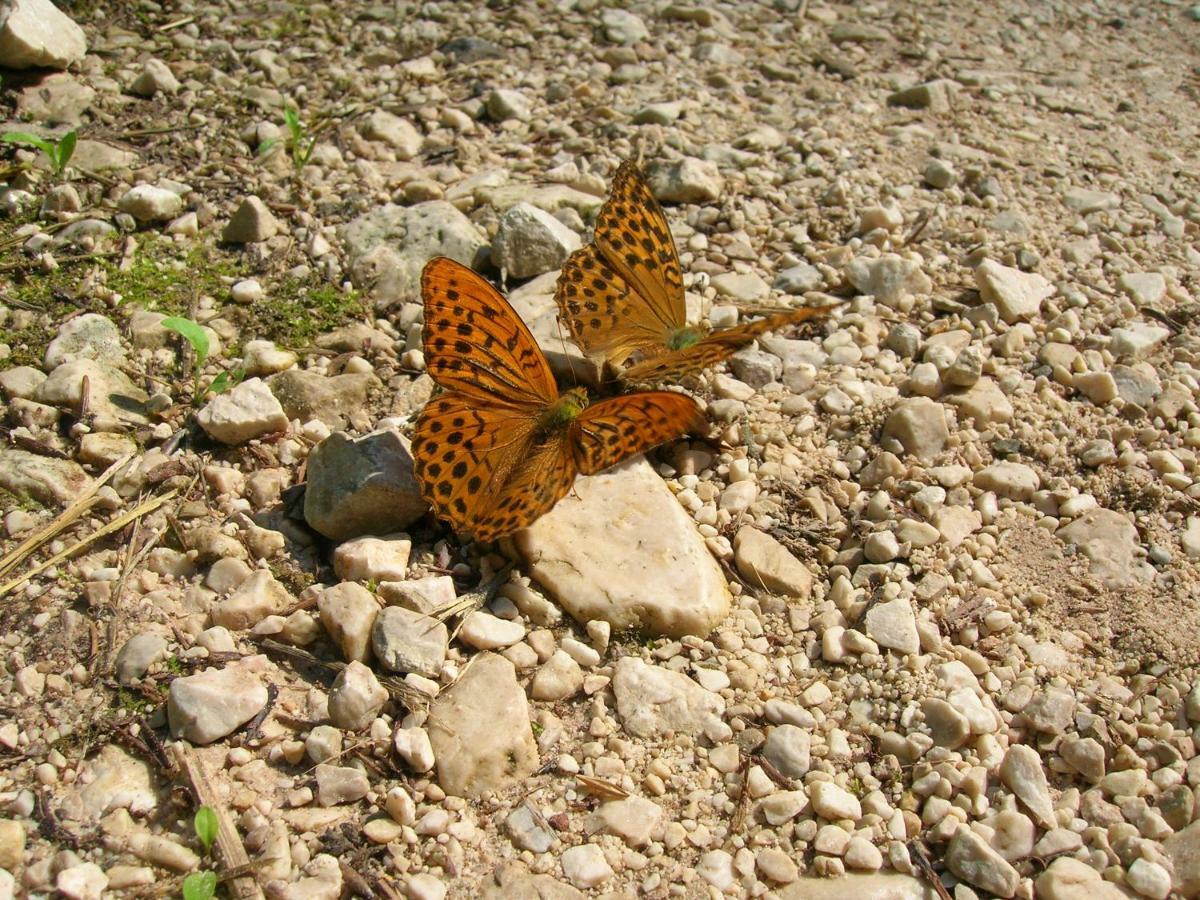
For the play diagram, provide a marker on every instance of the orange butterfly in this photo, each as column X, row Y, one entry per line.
column 502, row 445
column 623, row 293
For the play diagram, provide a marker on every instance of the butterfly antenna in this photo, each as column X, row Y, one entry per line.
column 562, row 340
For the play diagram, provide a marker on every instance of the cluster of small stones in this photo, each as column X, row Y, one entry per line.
column 928, row 604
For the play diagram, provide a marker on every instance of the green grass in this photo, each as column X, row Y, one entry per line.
column 294, row 313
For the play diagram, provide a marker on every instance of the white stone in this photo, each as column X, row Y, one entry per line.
column 585, row 867
column 1017, row 295
column 36, row 33
column 652, row 701
column 483, row 631
column 148, row 203
column 891, row 279
column 622, row 550
column 833, row 802
column 248, row 411
column 893, row 624
column 207, row 706
column 1149, row 879
column 1021, row 771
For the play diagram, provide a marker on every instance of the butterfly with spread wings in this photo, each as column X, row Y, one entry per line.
column 621, row 296
column 502, row 445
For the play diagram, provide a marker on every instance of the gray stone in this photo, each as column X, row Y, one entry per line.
column 251, row 223
column 936, row 96
column 89, row 336
column 156, row 77
column 390, row 245
column 530, row 241
column 137, row 655
column 407, row 641
column 689, row 180
column 362, row 486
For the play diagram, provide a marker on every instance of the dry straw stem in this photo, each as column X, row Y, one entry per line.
column 229, row 845
column 115, row 525
column 64, row 520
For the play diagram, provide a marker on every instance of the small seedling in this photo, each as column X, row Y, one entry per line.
column 299, row 140
column 58, row 152
column 206, row 826
column 202, row 885
column 196, row 336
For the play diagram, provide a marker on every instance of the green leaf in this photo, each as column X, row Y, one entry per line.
column 291, row 118
column 192, row 333
column 206, row 825
column 66, row 149
column 266, row 146
column 24, row 137
column 220, row 384
column 200, row 885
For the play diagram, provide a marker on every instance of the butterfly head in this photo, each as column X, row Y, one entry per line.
column 562, row 412
column 682, row 338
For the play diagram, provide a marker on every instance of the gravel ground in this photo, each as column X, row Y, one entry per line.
column 920, row 620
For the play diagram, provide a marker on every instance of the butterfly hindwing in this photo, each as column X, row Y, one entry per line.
column 611, row 430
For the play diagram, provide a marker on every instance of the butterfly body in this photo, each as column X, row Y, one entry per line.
column 622, row 296
column 501, row 445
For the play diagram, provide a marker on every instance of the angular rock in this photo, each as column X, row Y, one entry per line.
column 1018, row 295
column 689, row 180
column 764, row 561
column 247, row 412
column 653, row 701
column 46, row 480
column 406, row 641
column 206, row 707
column 919, row 424
column 480, row 730
column 622, row 550
column 252, row 222
column 362, row 486
column 1108, row 539
column 1022, row 772
column 530, row 241
column 407, row 236
column 893, row 280
column 971, row 859
column 36, row 33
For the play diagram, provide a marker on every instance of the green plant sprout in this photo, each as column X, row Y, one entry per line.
column 58, row 152
column 300, row 140
column 196, row 336
column 202, row 885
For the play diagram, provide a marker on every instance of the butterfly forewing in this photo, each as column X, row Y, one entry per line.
column 611, row 430
column 633, row 237
column 600, row 310
column 475, row 342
